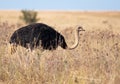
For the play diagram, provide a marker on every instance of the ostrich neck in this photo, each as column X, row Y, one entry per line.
column 76, row 41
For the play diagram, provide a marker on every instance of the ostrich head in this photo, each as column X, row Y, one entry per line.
column 80, row 29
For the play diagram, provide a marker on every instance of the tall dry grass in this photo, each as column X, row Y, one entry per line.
column 95, row 61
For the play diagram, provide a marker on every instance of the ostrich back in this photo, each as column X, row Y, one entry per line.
column 38, row 34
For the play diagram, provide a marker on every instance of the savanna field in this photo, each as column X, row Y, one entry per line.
column 96, row 60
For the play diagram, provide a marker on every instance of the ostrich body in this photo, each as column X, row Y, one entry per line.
column 39, row 34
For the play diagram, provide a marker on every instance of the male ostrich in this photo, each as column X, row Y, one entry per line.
column 39, row 34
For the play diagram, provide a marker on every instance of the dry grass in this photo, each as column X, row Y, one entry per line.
column 95, row 61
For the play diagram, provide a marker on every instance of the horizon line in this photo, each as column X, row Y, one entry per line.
column 54, row 10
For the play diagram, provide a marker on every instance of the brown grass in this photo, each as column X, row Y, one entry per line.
column 95, row 61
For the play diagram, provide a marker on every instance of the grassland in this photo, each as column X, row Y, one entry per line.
column 95, row 61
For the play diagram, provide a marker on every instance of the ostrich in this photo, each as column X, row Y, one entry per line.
column 39, row 34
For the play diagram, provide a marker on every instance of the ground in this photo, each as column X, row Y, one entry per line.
column 95, row 61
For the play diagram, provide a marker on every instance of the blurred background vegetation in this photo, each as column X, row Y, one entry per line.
column 29, row 16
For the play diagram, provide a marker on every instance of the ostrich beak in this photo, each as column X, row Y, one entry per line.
column 83, row 30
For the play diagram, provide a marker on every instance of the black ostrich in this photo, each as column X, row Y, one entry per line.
column 39, row 34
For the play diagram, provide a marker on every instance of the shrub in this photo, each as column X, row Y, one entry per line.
column 29, row 16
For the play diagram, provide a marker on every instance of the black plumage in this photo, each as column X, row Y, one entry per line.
column 38, row 34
